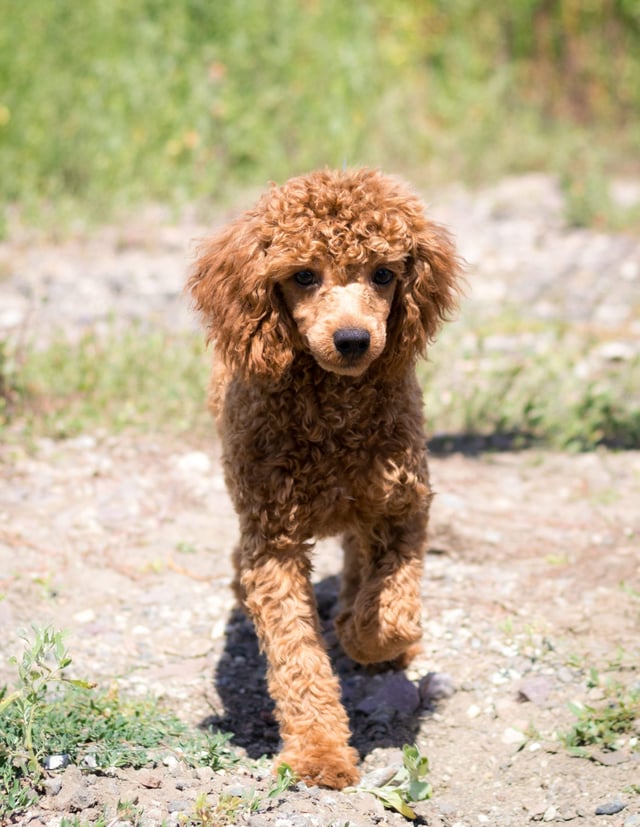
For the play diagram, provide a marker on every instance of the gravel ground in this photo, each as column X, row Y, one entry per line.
column 532, row 577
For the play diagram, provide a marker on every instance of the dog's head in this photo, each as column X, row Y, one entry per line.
column 343, row 265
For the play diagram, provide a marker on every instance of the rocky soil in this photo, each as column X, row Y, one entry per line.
column 532, row 577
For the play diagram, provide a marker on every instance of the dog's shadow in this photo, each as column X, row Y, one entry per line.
column 382, row 705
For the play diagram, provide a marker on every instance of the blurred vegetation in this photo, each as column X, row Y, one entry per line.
column 109, row 102
column 563, row 393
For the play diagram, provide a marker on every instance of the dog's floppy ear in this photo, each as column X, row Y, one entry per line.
column 243, row 314
column 427, row 295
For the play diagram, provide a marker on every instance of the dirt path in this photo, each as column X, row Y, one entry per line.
column 532, row 579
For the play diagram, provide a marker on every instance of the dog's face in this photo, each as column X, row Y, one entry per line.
column 341, row 312
column 343, row 265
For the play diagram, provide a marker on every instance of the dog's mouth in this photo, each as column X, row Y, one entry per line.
column 350, row 353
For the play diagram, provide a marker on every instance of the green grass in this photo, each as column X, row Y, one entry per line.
column 49, row 714
column 107, row 103
column 609, row 726
column 551, row 389
column 131, row 378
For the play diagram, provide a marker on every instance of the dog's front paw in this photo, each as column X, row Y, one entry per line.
column 367, row 638
column 332, row 766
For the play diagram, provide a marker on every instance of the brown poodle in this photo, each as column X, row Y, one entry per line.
column 318, row 301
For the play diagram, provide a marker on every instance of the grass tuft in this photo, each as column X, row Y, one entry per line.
column 136, row 378
column 50, row 715
column 545, row 388
column 608, row 727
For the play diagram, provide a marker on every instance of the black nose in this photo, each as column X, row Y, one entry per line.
column 351, row 341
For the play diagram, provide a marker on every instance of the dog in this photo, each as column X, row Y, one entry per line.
column 318, row 302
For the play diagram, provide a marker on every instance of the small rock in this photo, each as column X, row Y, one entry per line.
column 148, row 779
column 513, row 736
column 379, row 777
column 204, row 774
column 610, row 808
column 56, row 762
column 535, row 689
column 550, row 814
column 609, row 759
column 179, row 805
column 435, row 686
column 237, row 790
column 81, row 799
column 86, row 616
column 53, row 785
column 632, row 821
column 397, row 692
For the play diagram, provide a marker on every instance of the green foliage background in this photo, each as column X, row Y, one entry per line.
column 114, row 101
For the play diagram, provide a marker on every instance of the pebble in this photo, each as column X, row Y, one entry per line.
column 204, row 774
column 379, row 777
column 52, row 785
column 397, row 692
column 435, row 686
column 513, row 736
column 85, row 616
column 56, row 762
column 610, row 808
column 535, row 689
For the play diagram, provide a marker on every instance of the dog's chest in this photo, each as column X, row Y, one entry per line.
column 324, row 456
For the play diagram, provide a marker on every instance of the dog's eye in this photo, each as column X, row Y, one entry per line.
column 305, row 278
column 383, row 276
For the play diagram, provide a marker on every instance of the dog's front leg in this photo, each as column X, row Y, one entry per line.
column 278, row 594
column 381, row 607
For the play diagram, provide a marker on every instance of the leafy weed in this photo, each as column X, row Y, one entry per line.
column 406, row 786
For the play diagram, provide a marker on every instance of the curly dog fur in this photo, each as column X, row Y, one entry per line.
column 318, row 301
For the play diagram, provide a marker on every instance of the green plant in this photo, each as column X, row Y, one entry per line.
column 24, row 710
column 545, row 397
column 406, row 786
column 466, row 89
column 285, row 778
column 140, row 378
column 129, row 811
column 228, row 809
column 230, row 806
column 603, row 726
column 51, row 714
